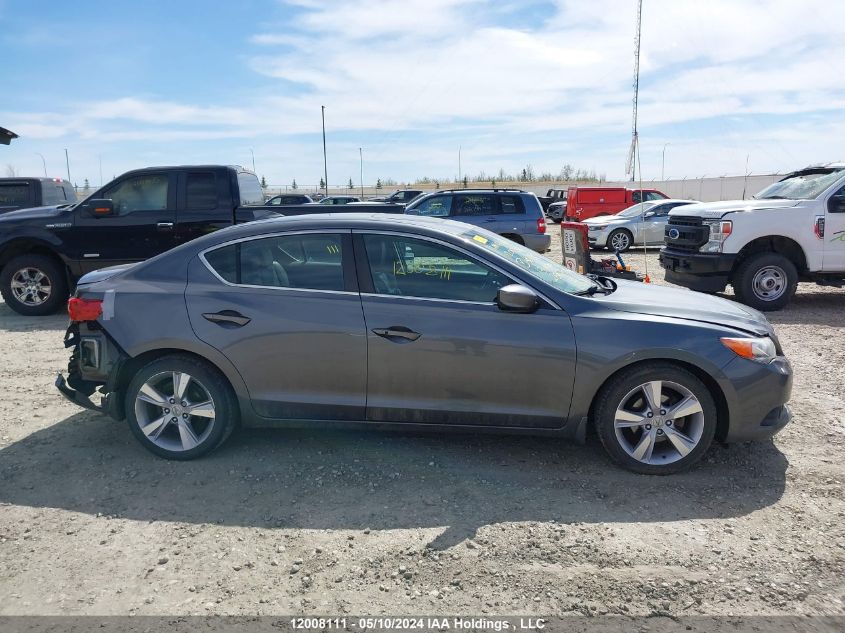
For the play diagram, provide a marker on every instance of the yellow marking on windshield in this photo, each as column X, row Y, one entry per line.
column 479, row 238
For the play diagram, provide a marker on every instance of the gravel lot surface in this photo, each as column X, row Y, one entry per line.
column 281, row 522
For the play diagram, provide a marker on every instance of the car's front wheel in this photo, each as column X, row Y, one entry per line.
column 620, row 240
column 180, row 407
column 656, row 418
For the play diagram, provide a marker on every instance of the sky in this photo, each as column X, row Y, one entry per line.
column 125, row 84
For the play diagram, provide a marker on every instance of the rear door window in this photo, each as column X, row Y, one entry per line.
column 312, row 261
column 511, row 205
column 474, row 205
column 250, row 189
column 201, row 191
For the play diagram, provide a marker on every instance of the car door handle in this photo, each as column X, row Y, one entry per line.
column 164, row 226
column 227, row 317
column 397, row 331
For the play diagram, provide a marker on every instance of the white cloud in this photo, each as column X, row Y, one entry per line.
column 413, row 79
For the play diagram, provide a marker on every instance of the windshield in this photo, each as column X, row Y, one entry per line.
column 533, row 263
column 637, row 209
column 805, row 185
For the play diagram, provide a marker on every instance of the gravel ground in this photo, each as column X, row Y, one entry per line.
column 281, row 522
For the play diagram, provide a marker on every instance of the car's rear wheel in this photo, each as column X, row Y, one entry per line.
column 620, row 240
column 34, row 284
column 656, row 419
column 180, row 407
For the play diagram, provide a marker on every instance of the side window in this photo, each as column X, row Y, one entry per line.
column 469, row 205
column 409, row 267
column 511, row 204
column 309, row 261
column 635, row 197
column 144, row 192
column 653, row 195
column 836, row 203
column 14, row 194
column 438, row 206
column 201, row 191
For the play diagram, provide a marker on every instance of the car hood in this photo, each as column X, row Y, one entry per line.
column 34, row 213
column 641, row 298
column 715, row 210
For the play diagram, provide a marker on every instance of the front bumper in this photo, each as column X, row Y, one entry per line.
column 597, row 238
column 705, row 272
column 557, row 213
column 760, row 394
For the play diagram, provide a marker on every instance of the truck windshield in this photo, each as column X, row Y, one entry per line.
column 535, row 264
column 804, row 185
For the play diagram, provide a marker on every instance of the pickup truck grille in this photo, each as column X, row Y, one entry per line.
column 685, row 233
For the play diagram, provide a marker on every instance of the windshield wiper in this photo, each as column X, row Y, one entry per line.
column 596, row 287
column 774, row 198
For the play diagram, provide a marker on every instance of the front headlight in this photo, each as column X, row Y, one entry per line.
column 761, row 350
column 719, row 232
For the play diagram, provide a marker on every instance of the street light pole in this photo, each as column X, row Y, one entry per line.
column 459, row 163
column 43, row 162
column 67, row 163
column 663, row 163
column 325, row 162
column 253, row 159
column 361, row 155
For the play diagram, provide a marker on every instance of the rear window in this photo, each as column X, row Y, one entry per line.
column 201, row 191
column 250, row 189
column 14, row 194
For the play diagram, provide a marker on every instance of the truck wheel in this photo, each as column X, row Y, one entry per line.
column 766, row 281
column 620, row 240
column 34, row 285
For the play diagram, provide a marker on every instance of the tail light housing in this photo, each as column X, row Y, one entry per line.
column 541, row 225
column 79, row 309
column 818, row 229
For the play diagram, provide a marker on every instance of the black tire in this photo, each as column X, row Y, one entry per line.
column 620, row 234
column 750, row 289
column 55, row 275
column 613, row 395
column 211, row 380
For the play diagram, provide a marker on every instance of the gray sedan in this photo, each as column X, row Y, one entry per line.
column 641, row 224
column 415, row 323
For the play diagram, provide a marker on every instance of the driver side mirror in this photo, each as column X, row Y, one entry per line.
column 100, row 207
column 649, row 214
column 517, row 298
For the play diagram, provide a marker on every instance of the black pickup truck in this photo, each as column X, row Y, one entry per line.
column 24, row 193
column 44, row 250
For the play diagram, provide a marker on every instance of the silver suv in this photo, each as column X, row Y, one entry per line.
column 512, row 213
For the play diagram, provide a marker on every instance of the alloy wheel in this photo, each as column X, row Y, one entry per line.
column 175, row 411
column 31, row 286
column 620, row 241
column 659, row 422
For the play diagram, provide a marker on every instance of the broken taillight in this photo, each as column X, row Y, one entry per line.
column 84, row 309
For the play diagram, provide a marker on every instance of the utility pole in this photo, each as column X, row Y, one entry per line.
column 663, row 163
column 459, row 163
column 43, row 162
column 325, row 162
column 253, row 159
column 100, row 156
column 361, row 155
column 632, row 168
column 67, row 162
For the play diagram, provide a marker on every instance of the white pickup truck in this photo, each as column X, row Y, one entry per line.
column 793, row 230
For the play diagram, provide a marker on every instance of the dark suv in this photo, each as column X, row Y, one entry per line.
column 511, row 213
